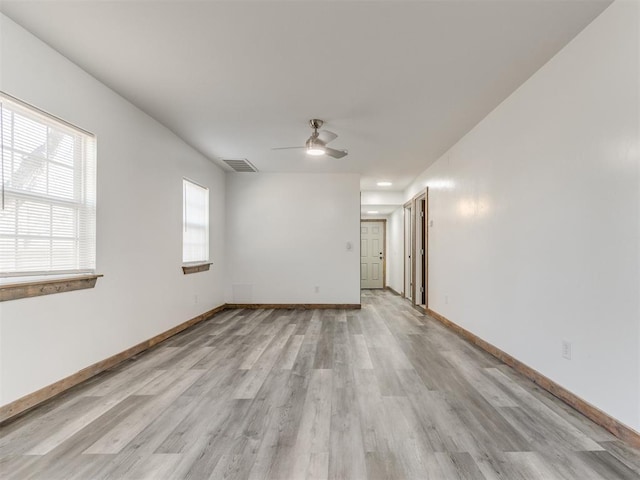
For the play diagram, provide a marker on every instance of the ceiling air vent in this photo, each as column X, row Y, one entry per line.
column 241, row 165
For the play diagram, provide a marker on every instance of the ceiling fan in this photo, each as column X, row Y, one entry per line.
column 316, row 144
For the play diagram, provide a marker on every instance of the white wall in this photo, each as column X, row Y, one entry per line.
column 382, row 197
column 287, row 234
column 139, row 235
column 395, row 250
column 536, row 219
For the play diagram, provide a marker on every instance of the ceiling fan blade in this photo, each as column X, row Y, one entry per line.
column 326, row 136
column 285, row 148
column 332, row 152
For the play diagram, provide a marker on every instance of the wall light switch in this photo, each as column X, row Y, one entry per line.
column 349, row 246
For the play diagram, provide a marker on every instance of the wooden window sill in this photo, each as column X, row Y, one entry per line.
column 195, row 267
column 46, row 286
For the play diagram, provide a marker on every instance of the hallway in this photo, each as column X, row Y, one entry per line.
column 383, row 392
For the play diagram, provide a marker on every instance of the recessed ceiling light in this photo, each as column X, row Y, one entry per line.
column 372, row 212
column 384, row 184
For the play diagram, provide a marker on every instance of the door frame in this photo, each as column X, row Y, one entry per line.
column 420, row 248
column 384, row 247
column 415, row 244
column 407, row 257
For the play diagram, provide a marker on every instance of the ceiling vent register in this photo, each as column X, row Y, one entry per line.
column 242, row 165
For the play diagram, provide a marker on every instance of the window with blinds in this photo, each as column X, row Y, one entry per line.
column 48, row 193
column 195, row 222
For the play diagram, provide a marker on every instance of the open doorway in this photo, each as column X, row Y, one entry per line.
column 408, row 248
column 416, row 243
column 420, row 252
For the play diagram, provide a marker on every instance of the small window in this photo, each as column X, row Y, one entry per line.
column 48, row 193
column 195, row 222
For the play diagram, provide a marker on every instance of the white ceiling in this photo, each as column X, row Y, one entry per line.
column 399, row 82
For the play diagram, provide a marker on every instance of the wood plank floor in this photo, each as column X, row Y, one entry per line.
column 384, row 392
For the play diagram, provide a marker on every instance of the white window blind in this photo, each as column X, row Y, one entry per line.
column 195, row 222
column 48, row 189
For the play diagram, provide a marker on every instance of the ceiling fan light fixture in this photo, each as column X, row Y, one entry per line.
column 315, row 151
column 314, row 146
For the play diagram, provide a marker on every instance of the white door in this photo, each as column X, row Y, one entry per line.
column 372, row 254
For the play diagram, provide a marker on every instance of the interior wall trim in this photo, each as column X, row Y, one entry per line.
column 394, row 291
column 596, row 415
column 47, row 286
column 12, row 410
column 293, row 306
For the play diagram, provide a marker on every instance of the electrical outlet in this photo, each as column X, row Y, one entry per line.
column 195, row 299
column 566, row 350
column 317, row 289
column 446, row 299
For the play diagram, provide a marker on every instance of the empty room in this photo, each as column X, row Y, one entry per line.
column 317, row 239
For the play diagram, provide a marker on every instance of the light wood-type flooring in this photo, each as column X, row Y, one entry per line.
column 384, row 392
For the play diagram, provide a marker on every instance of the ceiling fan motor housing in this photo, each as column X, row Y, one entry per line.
column 314, row 141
